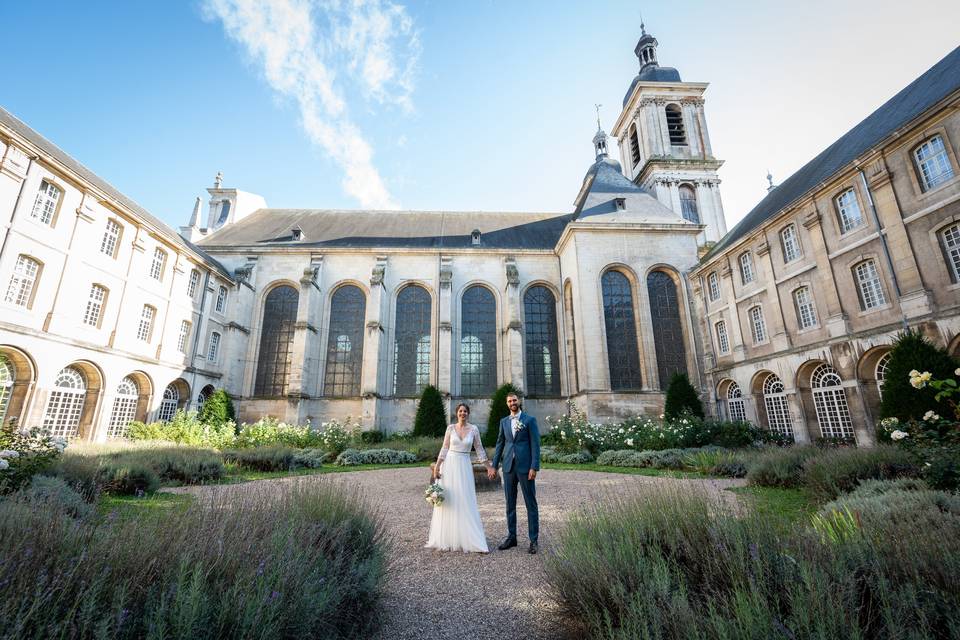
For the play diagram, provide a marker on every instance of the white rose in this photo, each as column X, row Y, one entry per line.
column 931, row 416
column 898, row 435
column 956, row 371
column 629, row 442
column 4, row 464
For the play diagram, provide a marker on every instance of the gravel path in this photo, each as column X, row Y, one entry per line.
column 503, row 594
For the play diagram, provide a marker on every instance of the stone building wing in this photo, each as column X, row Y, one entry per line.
column 937, row 83
column 11, row 122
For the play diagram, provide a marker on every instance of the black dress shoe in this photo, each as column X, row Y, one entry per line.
column 533, row 548
column 507, row 544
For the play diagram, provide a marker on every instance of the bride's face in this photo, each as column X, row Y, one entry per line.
column 462, row 414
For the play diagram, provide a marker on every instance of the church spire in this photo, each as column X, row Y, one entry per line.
column 646, row 49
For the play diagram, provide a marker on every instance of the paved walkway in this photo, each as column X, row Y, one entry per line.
column 501, row 595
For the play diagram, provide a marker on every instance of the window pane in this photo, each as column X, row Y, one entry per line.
column 94, row 305
column 830, row 401
column 868, row 284
column 344, row 365
column 124, row 408
column 849, row 209
column 622, row 351
column 478, row 342
column 806, row 312
column 412, row 343
column 935, row 167
column 951, row 246
column 169, row 404
column 276, row 341
column 22, row 280
column 61, row 419
column 667, row 328
column 542, row 350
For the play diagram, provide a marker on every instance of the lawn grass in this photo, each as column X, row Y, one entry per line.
column 159, row 503
column 788, row 505
column 638, row 471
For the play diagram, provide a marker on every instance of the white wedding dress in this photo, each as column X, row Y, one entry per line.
column 456, row 524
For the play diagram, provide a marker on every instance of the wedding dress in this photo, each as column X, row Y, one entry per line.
column 456, row 524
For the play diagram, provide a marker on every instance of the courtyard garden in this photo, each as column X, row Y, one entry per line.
column 675, row 526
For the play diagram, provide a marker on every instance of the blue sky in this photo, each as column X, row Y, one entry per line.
column 438, row 105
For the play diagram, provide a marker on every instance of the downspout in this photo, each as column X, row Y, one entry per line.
column 883, row 243
column 16, row 206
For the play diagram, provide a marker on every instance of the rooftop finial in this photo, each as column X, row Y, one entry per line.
column 597, row 107
column 771, row 186
column 217, row 181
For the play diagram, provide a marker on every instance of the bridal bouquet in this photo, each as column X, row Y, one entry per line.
column 434, row 494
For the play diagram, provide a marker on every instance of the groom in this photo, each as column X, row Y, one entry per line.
column 518, row 446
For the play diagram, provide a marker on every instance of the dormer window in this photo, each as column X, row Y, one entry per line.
column 475, row 237
column 296, row 233
column 621, row 203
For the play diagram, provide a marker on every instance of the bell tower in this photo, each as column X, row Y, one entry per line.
column 664, row 144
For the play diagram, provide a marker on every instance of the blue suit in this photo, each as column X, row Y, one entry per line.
column 519, row 453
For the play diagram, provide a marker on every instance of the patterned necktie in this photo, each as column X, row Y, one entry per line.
column 516, row 426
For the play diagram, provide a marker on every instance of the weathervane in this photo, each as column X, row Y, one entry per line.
column 597, row 107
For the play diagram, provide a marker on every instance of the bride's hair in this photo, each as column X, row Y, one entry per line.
column 464, row 405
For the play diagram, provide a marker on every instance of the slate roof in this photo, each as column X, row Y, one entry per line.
column 9, row 121
column 937, row 83
column 652, row 73
column 604, row 183
column 392, row 229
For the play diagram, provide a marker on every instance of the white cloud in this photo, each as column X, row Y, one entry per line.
column 300, row 44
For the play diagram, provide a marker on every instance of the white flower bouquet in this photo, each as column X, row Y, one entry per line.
column 434, row 494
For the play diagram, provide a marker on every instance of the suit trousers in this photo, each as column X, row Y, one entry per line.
column 529, row 489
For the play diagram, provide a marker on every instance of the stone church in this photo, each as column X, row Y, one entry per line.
column 110, row 316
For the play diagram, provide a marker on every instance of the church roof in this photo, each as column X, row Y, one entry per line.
column 604, row 184
column 392, row 229
column 930, row 88
column 11, row 122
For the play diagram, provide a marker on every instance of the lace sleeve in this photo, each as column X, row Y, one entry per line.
column 478, row 445
column 446, row 445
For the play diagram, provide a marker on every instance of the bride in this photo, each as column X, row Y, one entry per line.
column 456, row 524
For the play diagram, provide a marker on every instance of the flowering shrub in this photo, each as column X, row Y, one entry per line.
column 268, row 431
column 335, row 436
column 25, row 453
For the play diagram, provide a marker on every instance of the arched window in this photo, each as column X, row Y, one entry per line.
column 623, row 355
column 831, row 403
column 848, row 210
column 723, row 341
column 25, row 275
column 276, row 341
column 124, row 408
column 746, row 267
column 183, row 337
column 790, row 243
column 667, row 327
column 65, row 404
column 193, row 283
column 713, row 286
column 221, row 300
column 111, row 238
column 7, row 376
column 634, row 145
column 156, row 266
column 688, row 204
column 735, row 406
column 169, row 404
column 675, row 125
column 145, row 328
column 950, row 238
column 213, row 349
column 204, row 395
column 45, row 204
column 868, row 285
column 542, row 351
column 881, row 371
column 348, row 309
column 932, row 163
column 478, row 342
column 758, row 326
column 411, row 372
column 775, row 402
column 806, row 311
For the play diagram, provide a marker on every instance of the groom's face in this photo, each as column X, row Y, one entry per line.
column 513, row 403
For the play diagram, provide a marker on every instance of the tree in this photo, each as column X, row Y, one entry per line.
column 498, row 411
column 217, row 409
column 681, row 397
column 912, row 350
column 431, row 420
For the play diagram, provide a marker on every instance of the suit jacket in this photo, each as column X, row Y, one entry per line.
column 519, row 453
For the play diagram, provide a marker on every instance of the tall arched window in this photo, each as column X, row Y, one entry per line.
column 169, row 404
column 735, row 407
column 688, row 204
column 411, row 372
column 348, row 308
column 623, row 355
column 775, row 402
column 7, row 376
column 667, row 328
column 933, row 163
column 542, row 352
column 22, row 281
column 478, row 342
column 124, row 408
column 675, row 125
column 276, row 341
column 881, row 371
column 65, row 405
column 833, row 416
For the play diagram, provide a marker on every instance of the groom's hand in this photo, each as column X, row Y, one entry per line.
column 491, row 473
column 532, row 475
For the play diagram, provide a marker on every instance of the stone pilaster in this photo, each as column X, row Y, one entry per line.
column 306, row 335
column 445, row 346
column 373, row 345
column 514, row 331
